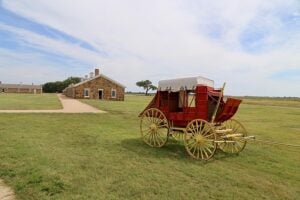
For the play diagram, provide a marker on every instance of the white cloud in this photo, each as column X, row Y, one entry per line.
column 15, row 68
column 163, row 39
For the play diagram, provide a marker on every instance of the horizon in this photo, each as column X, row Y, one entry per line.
column 254, row 46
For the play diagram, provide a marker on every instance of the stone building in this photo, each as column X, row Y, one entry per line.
column 98, row 86
column 20, row 88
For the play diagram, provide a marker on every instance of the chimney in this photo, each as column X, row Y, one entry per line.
column 91, row 74
column 97, row 72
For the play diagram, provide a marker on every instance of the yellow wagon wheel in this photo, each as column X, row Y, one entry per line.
column 199, row 139
column 154, row 128
column 236, row 144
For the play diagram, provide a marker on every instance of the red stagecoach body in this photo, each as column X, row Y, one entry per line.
column 197, row 99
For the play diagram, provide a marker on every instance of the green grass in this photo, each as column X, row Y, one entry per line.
column 283, row 102
column 9, row 101
column 101, row 156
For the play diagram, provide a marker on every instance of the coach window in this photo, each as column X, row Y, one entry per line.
column 181, row 98
column 191, row 99
column 113, row 93
column 86, row 92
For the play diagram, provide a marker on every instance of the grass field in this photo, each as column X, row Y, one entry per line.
column 10, row 101
column 101, row 156
column 286, row 102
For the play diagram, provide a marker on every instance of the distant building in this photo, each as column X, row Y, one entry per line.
column 20, row 88
column 97, row 86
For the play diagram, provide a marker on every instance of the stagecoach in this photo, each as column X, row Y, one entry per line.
column 193, row 110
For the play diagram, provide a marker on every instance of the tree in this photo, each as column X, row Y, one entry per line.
column 146, row 85
column 72, row 80
column 59, row 86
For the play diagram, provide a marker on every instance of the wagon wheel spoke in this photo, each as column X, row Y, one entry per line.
column 206, row 151
column 163, row 126
column 154, row 128
column 146, row 134
column 150, row 139
column 201, row 144
column 239, row 144
column 195, row 149
column 191, row 145
column 198, row 152
column 202, row 153
column 210, row 145
column 189, row 129
column 161, row 134
column 234, row 144
column 207, row 130
column 193, row 128
column 209, row 150
column 159, row 140
column 154, row 139
column 149, row 119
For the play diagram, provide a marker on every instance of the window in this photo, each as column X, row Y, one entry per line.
column 113, row 93
column 181, row 98
column 86, row 92
column 191, row 99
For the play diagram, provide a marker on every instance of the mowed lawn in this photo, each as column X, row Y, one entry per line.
column 101, row 156
column 10, row 101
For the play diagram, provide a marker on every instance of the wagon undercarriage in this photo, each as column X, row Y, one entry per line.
column 201, row 138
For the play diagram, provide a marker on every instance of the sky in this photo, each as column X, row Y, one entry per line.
column 252, row 45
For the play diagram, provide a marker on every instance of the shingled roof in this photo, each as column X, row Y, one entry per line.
column 95, row 77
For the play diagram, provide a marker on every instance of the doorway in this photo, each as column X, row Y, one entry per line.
column 100, row 91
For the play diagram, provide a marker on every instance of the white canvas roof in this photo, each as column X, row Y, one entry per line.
column 184, row 83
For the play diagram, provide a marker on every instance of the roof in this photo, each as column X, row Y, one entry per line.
column 95, row 77
column 20, row 86
column 189, row 83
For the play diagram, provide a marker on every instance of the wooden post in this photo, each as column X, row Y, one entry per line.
column 218, row 104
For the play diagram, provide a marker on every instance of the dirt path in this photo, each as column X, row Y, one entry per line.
column 69, row 106
column 5, row 192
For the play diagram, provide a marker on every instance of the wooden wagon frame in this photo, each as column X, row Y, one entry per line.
column 193, row 110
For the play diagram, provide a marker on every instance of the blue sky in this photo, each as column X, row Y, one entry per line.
column 252, row 45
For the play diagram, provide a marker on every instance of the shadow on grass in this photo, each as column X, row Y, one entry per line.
column 174, row 150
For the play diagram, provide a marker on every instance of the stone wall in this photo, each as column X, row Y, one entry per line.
column 69, row 92
column 94, row 86
column 21, row 90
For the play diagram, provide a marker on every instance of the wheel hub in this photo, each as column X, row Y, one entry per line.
column 153, row 127
column 200, row 139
